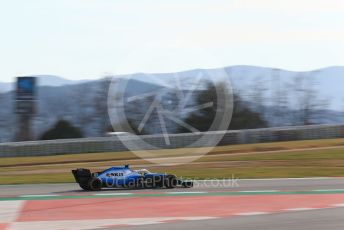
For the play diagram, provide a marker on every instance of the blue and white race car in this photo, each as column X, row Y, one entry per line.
column 125, row 177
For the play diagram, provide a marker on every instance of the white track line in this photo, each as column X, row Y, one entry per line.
column 200, row 218
column 301, row 209
column 44, row 195
column 328, row 190
column 10, row 210
column 96, row 224
column 270, row 179
column 338, row 205
column 301, row 178
column 186, row 192
column 251, row 213
column 113, row 194
column 260, row 191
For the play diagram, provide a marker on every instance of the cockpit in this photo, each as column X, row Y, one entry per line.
column 143, row 171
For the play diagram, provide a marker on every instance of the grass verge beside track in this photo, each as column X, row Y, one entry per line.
column 268, row 160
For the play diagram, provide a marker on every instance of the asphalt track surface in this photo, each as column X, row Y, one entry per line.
column 314, row 203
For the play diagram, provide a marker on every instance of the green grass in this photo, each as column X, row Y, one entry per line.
column 336, row 154
column 89, row 157
column 239, row 172
column 240, row 161
column 67, row 158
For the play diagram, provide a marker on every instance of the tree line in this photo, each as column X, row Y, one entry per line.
column 295, row 103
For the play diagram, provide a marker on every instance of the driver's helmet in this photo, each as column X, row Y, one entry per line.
column 143, row 171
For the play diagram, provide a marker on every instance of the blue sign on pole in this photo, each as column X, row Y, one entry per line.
column 26, row 95
column 26, row 88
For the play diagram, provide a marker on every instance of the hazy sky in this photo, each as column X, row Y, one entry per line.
column 80, row 39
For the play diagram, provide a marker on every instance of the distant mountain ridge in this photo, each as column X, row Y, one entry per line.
column 327, row 81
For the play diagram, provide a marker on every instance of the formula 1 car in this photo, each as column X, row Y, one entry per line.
column 125, row 177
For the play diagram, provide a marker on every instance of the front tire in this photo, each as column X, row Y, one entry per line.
column 187, row 184
column 171, row 182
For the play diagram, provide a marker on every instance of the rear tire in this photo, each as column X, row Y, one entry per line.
column 95, row 184
column 130, row 185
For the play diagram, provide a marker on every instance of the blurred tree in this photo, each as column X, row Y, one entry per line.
column 100, row 106
column 309, row 105
column 243, row 117
column 81, row 107
column 257, row 95
column 279, row 100
column 62, row 130
column 203, row 119
column 2, row 120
